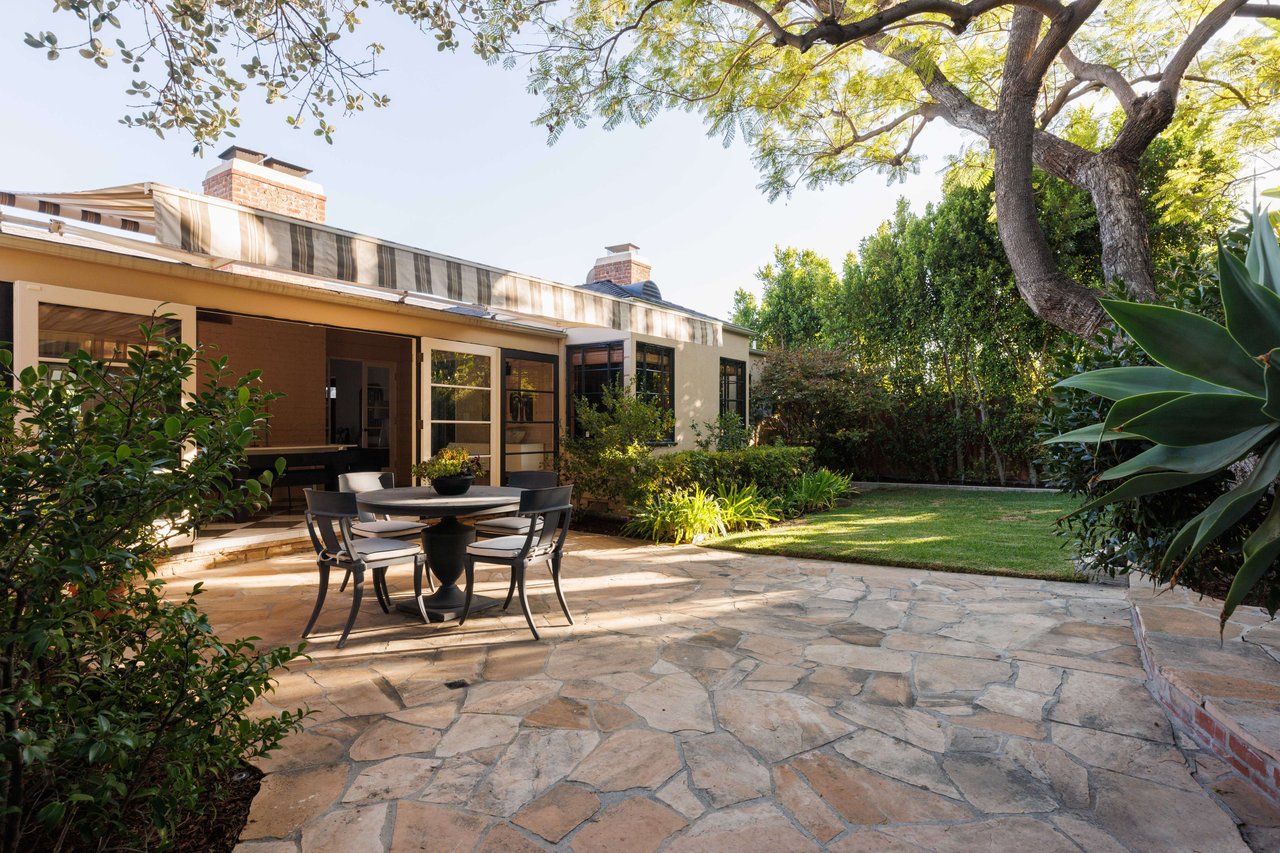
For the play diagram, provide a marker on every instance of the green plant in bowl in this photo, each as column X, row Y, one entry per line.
column 450, row 472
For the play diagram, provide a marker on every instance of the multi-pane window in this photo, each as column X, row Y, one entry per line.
column 655, row 380
column 733, row 388
column 592, row 369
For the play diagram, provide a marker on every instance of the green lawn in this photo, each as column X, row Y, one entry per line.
column 1000, row 533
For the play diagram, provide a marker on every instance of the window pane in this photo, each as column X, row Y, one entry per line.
column 474, row 438
column 459, row 404
column 460, row 368
column 530, row 437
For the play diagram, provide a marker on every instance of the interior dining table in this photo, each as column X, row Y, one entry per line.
column 444, row 542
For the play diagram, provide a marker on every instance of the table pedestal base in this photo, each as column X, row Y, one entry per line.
column 445, row 604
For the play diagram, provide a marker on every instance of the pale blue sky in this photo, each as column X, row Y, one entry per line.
column 453, row 165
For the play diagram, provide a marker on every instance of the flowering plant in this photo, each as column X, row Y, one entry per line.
column 449, row 462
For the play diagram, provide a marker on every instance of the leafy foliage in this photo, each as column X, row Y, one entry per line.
column 817, row 491
column 449, row 462
column 610, row 460
column 746, row 508
column 122, row 709
column 770, row 468
column 676, row 517
column 819, row 398
column 1206, row 408
column 726, row 433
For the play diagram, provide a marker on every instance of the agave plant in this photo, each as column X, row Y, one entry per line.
column 1213, row 402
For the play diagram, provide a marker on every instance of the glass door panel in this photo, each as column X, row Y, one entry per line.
column 530, row 412
column 460, row 404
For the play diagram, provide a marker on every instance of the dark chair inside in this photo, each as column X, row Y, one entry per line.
column 329, row 517
column 548, row 512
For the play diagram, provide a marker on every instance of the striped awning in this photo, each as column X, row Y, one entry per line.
column 129, row 208
column 203, row 225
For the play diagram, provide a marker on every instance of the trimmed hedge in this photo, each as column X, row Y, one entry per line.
column 770, row 468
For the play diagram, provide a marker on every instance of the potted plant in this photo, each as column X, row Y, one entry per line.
column 450, row 472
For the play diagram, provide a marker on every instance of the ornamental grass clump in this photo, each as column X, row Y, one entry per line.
column 1210, row 405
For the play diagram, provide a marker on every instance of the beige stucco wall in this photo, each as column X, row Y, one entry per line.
column 697, row 379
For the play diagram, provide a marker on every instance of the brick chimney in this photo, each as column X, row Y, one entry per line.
column 622, row 265
column 253, row 179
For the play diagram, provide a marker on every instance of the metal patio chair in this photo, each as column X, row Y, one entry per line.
column 548, row 512
column 372, row 525
column 329, row 518
column 516, row 525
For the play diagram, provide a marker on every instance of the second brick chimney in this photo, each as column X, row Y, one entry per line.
column 622, row 265
column 253, row 179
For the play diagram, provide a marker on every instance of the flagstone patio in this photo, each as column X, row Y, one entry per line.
column 711, row 701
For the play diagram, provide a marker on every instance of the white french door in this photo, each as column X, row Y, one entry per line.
column 461, row 398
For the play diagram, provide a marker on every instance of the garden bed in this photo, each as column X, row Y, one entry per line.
column 997, row 533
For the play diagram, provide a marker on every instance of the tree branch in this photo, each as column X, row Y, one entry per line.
column 1171, row 77
column 1105, row 75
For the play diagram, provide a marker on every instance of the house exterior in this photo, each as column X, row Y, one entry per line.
column 385, row 353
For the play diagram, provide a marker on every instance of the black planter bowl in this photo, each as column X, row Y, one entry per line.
column 455, row 485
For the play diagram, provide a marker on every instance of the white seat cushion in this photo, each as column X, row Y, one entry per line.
column 505, row 525
column 386, row 528
column 503, row 546
column 385, row 549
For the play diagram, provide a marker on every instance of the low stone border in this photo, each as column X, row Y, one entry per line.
column 872, row 485
column 1225, row 694
column 208, row 559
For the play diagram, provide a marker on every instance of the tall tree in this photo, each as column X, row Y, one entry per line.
column 822, row 89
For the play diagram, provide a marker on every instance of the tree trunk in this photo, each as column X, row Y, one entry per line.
column 1112, row 182
column 1053, row 296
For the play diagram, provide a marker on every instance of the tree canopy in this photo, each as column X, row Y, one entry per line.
column 822, row 91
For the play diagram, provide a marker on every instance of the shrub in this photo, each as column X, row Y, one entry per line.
column 727, row 432
column 124, row 713
column 820, row 398
column 679, row 516
column 770, row 468
column 816, row 491
column 744, row 508
column 610, row 460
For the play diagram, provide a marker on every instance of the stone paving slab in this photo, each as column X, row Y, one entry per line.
column 709, row 701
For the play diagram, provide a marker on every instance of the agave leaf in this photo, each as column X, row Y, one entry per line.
column 1188, row 343
column 1092, row 434
column 1263, row 258
column 1199, row 419
column 1271, row 376
column 1123, row 411
column 1200, row 459
column 1116, row 383
column 1146, row 484
column 1260, row 550
column 1253, row 310
column 1229, row 508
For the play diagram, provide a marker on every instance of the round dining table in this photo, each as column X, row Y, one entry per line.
column 444, row 542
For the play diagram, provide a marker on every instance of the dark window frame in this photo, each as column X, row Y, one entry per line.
column 664, row 394
column 736, row 368
column 525, row 355
column 614, row 371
